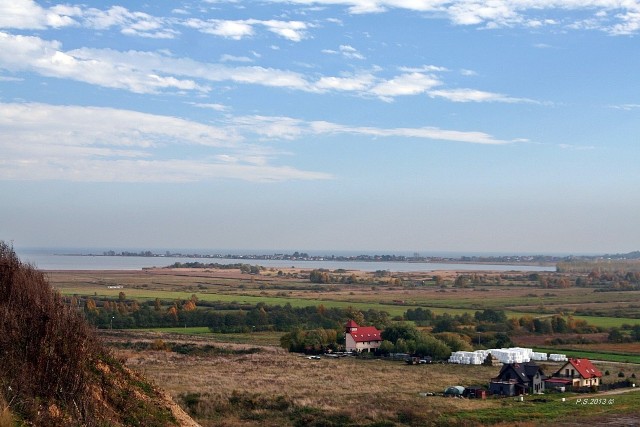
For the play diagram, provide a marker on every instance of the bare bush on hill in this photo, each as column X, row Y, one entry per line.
column 53, row 369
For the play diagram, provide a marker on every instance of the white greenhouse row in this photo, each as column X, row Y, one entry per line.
column 504, row 355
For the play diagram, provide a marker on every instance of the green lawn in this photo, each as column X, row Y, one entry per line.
column 594, row 355
column 392, row 309
column 535, row 410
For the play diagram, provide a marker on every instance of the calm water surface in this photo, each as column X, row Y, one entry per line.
column 83, row 262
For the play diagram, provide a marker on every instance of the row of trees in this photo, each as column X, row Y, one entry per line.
column 244, row 268
column 497, row 321
column 122, row 313
column 617, row 335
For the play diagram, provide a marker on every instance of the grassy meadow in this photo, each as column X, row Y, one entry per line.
column 254, row 382
column 417, row 290
column 271, row 387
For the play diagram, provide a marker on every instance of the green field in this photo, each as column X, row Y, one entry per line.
column 539, row 410
column 144, row 295
column 594, row 355
column 392, row 309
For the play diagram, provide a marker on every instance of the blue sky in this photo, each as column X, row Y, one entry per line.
column 378, row 125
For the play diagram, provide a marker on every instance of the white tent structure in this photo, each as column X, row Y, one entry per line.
column 504, row 355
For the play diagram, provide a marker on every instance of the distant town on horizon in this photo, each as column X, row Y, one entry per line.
column 416, row 257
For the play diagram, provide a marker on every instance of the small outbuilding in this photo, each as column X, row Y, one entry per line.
column 476, row 392
column 454, row 391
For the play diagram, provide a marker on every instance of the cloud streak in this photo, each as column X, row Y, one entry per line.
column 154, row 72
column 614, row 17
column 89, row 144
column 611, row 16
column 73, row 143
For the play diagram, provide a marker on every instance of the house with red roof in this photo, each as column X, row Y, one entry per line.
column 579, row 373
column 361, row 338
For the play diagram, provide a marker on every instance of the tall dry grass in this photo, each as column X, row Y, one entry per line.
column 284, row 389
column 6, row 418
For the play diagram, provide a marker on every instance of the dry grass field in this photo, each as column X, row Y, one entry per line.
column 274, row 388
column 277, row 383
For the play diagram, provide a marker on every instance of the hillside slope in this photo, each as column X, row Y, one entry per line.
column 53, row 369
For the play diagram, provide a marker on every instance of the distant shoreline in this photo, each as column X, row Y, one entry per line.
column 519, row 260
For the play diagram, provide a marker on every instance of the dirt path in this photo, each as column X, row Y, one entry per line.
column 184, row 420
column 604, row 393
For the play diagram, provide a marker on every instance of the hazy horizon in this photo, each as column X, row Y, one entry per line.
column 359, row 125
column 257, row 251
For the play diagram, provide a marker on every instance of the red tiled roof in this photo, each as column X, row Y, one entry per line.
column 352, row 324
column 585, row 368
column 366, row 333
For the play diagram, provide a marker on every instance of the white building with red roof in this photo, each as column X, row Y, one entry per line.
column 580, row 372
column 361, row 338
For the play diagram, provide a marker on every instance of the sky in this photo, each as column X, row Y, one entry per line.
column 508, row 126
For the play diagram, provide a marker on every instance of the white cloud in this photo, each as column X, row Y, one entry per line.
column 25, row 53
column 154, row 72
column 44, row 142
column 233, row 58
column 235, row 30
column 616, row 17
column 424, row 69
column 215, row 107
column 612, row 16
column 291, row 30
column 356, row 83
column 290, row 129
column 350, row 52
column 10, row 79
column 472, row 95
column 90, row 144
column 27, row 14
column 406, row 84
column 626, row 107
column 239, row 29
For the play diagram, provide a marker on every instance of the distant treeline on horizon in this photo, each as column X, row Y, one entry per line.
column 303, row 256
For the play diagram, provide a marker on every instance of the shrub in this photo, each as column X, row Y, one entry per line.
column 46, row 346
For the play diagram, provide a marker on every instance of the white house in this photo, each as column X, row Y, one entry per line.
column 580, row 372
column 361, row 338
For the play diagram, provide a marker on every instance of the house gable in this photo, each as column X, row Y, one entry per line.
column 582, row 367
column 523, row 377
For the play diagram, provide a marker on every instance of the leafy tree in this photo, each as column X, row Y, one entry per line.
column 615, row 335
column 319, row 276
column 445, row 323
column 456, row 342
column 491, row 316
column 404, row 331
column 419, row 314
column 386, row 347
column 355, row 315
column 428, row 345
column 542, row 326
